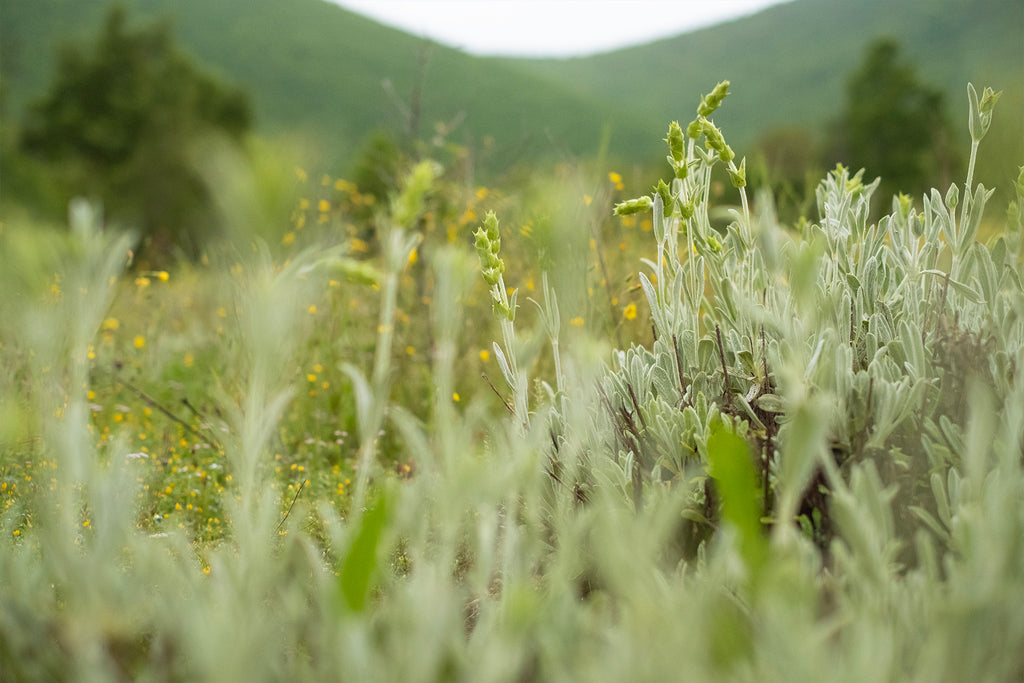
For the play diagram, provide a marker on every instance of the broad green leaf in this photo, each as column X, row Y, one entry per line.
column 737, row 484
column 360, row 564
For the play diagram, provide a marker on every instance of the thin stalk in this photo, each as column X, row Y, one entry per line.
column 964, row 208
column 508, row 338
column 380, row 381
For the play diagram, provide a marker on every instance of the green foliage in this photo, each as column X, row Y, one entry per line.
column 729, row 464
column 360, row 563
column 379, row 165
column 894, row 126
column 812, row 472
column 302, row 81
column 122, row 121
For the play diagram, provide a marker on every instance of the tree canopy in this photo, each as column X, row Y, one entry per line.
column 122, row 121
column 894, row 125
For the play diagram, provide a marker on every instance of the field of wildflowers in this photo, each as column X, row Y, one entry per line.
column 673, row 440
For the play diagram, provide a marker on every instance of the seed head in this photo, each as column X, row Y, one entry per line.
column 487, row 240
column 694, row 128
column 666, row 197
column 633, row 206
column 739, row 176
column 711, row 102
column 675, row 142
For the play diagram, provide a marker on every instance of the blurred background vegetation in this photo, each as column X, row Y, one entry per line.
column 119, row 103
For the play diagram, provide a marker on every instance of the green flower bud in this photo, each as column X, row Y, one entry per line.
column 714, row 245
column 492, row 274
column 682, row 169
column 501, row 310
column 726, row 154
column 739, row 177
column 687, row 210
column 854, row 185
column 632, row 206
column 491, row 226
column 713, row 136
column 988, row 100
column 675, row 141
column 712, row 101
column 952, row 197
column 481, row 242
column 666, row 197
column 980, row 113
column 693, row 130
column 905, row 203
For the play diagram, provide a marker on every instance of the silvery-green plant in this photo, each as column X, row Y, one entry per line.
column 618, row 530
column 488, row 247
column 823, row 350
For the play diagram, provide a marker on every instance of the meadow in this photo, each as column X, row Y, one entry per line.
column 564, row 434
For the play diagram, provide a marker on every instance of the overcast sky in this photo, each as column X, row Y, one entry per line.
column 550, row 28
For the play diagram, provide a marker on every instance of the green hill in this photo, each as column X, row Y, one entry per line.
column 788, row 63
column 312, row 67
column 317, row 69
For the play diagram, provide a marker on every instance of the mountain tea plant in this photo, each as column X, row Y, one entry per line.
column 813, row 472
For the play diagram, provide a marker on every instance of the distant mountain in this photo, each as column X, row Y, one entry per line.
column 788, row 63
column 316, row 68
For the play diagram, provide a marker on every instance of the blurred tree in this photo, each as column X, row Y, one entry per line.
column 894, row 126
column 787, row 160
column 379, row 166
column 124, row 120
